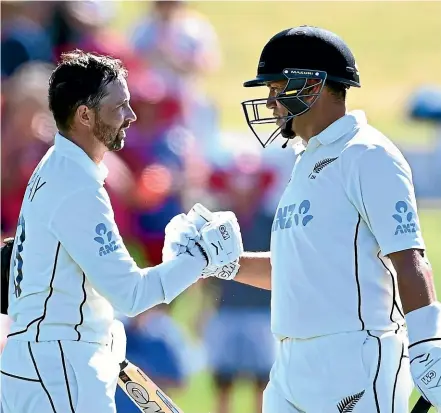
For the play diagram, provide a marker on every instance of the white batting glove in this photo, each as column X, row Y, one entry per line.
column 199, row 215
column 181, row 237
column 424, row 328
column 426, row 371
column 221, row 239
column 226, row 272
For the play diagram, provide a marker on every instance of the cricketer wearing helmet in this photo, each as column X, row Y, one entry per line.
column 347, row 266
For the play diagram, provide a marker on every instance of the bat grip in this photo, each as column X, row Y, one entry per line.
column 421, row 406
column 123, row 365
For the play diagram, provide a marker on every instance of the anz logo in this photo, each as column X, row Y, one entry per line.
column 406, row 220
column 292, row 215
column 105, row 239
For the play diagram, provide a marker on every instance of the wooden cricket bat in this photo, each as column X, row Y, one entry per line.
column 146, row 395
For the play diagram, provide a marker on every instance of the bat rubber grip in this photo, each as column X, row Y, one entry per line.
column 421, row 406
column 123, row 365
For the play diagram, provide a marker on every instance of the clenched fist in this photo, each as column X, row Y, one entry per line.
column 219, row 240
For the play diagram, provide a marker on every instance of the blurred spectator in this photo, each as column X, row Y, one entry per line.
column 27, row 133
column 87, row 25
column 238, row 336
column 156, row 344
column 425, row 106
column 181, row 46
column 274, row 159
column 24, row 36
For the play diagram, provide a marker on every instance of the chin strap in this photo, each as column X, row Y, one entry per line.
column 287, row 132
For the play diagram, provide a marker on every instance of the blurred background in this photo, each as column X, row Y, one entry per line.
column 187, row 62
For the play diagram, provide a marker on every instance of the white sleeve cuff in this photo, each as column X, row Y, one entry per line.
column 178, row 274
column 417, row 243
column 424, row 323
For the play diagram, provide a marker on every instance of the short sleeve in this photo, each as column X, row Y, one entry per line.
column 379, row 184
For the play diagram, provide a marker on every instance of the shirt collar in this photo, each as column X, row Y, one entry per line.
column 70, row 150
column 348, row 123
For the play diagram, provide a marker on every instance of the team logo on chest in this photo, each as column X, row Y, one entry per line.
column 319, row 166
column 290, row 215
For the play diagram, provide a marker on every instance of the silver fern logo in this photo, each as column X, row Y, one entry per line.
column 319, row 166
column 348, row 403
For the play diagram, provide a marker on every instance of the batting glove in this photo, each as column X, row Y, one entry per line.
column 199, row 215
column 181, row 237
column 226, row 272
column 424, row 328
column 221, row 239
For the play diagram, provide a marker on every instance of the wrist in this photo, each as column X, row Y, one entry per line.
column 424, row 323
column 226, row 272
column 178, row 274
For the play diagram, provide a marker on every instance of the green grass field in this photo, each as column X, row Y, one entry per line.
column 397, row 46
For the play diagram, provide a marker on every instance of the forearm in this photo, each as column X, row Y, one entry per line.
column 137, row 290
column 423, row 320
column 418, row 296
column 164, row 282
column 415, row 281
column 255, row 270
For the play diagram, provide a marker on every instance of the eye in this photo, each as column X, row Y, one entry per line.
column 275, row 91
column 124, row 104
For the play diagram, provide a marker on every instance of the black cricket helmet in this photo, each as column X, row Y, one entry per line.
column 305, row 56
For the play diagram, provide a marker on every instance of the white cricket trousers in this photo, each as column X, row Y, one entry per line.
column 58, row 377
column 360, row 372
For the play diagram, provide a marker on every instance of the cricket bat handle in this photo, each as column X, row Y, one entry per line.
column 421, row 406
column 146, row 395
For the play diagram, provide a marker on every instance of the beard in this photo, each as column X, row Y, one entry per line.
column 111, row 137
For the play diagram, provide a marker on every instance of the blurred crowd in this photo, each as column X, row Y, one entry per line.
column 174, row 155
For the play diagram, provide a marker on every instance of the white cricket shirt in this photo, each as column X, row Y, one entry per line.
column 69, row 267
column 349, row 203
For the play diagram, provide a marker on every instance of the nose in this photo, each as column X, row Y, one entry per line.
column 131, row 115
column 271, row 102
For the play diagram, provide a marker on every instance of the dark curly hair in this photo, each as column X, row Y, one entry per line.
column 80, row 79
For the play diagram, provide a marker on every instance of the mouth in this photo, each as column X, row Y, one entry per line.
column 123, row 130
